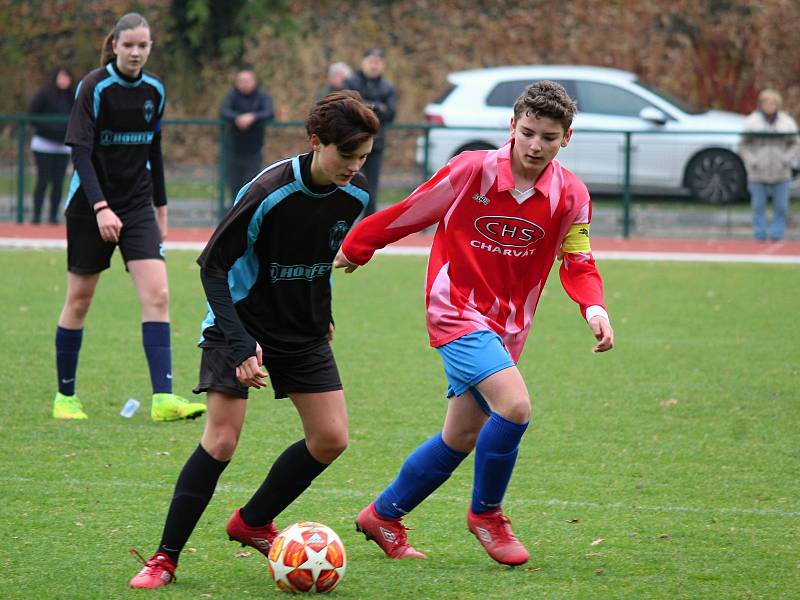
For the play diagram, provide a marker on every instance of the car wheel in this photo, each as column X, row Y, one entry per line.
column 716, row 177
column 475, row 146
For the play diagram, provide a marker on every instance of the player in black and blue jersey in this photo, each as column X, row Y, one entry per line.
column 115, row 134
column 266, row 272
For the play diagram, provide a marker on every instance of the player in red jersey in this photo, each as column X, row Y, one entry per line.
column 504, row 216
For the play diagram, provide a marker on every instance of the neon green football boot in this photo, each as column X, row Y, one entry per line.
column 68, row 407
column 169, row 407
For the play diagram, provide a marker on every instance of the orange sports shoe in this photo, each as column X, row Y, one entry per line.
column 493, row 530
column 260, row 538
column 157, row 572
column 389, row 534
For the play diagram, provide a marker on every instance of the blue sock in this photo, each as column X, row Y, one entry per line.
column 155, row 338
column 495, row 455
column 68, row 347
column 425, row 469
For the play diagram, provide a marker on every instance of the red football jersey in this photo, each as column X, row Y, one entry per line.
column 491, row 253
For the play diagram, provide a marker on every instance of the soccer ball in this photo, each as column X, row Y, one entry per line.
column 307, row 557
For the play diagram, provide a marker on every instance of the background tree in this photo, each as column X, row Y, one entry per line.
column 716, row 54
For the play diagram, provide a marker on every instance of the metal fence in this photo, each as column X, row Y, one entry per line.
column 195, row 156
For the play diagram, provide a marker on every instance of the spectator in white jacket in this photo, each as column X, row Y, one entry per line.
column 768, row 160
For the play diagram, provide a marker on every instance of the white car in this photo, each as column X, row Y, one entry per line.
column 674, row 147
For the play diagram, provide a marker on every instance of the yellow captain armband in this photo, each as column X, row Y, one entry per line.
column 577, row 239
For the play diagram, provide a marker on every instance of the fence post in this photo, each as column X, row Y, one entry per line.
column 626, row 189
column 222, row 172
column 426, row 133
column 20, row 170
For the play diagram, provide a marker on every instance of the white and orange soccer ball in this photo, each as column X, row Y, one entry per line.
column 307, row 557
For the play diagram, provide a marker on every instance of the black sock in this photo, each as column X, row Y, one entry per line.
column 289, row 477
column 193, row 491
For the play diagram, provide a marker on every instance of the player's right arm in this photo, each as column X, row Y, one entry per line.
column 425, row 206
column 81, row 138
column 227, row 244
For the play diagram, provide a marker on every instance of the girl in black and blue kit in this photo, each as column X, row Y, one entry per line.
column 114, row 132
column 266, row 272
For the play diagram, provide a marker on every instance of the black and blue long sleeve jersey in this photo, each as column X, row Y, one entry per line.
column 267, row 268
column 116, row 121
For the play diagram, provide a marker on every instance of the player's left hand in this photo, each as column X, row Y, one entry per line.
column 331, row 330
column 601, row 329
column 340, row 262
column 250, row 374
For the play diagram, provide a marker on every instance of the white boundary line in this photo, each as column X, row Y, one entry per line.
column 37, row 243
column 697, row 257
column 350, row 493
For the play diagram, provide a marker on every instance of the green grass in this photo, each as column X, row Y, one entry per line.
column 679, row 449
column 177, row 187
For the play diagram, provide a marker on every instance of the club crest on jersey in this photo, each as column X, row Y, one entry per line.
column 481, row 199
column 149, row 110
column 336, row 235
column 511, row 232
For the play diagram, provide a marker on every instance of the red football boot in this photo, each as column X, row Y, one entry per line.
column 260, row 538
column 493, row 530
column 157, row 572
column 389, row 534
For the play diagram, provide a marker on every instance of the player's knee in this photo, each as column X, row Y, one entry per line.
column 78, row 305
column 463, row 440
column 468, row 441
column 221, row 444
column 517, row 410
column 327, row 447
column 158, row 298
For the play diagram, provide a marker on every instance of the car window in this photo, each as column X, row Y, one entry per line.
column 443, row 96
column 605, row 99
column 506, row 93
column 680, row 103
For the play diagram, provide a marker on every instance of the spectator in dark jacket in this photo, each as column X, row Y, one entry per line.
column 247, row 108
column 52, row 156
column 378, row 93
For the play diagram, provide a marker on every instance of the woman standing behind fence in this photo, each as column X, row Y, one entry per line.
column 56, row 97
column 115, row 134
column 768, row 160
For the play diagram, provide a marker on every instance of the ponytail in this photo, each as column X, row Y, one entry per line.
column 129, row 21
column 107, row 53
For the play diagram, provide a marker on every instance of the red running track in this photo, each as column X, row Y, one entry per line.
column 644, row 246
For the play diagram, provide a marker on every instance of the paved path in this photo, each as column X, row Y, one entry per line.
column 53, row 236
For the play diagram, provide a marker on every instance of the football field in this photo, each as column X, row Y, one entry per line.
column 666, row 468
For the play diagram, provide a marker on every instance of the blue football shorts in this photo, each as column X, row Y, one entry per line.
column 470, row 359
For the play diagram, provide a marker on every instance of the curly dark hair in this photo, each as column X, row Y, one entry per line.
column 546, row 99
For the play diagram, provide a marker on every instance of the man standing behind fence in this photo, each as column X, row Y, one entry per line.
column 247, row 108
column 769, row 161
column 379, row 94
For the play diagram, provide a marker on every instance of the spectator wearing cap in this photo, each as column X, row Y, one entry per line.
column 379, row 94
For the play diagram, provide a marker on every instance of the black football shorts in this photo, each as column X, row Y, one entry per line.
column 313, row 371
column 88, row 253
